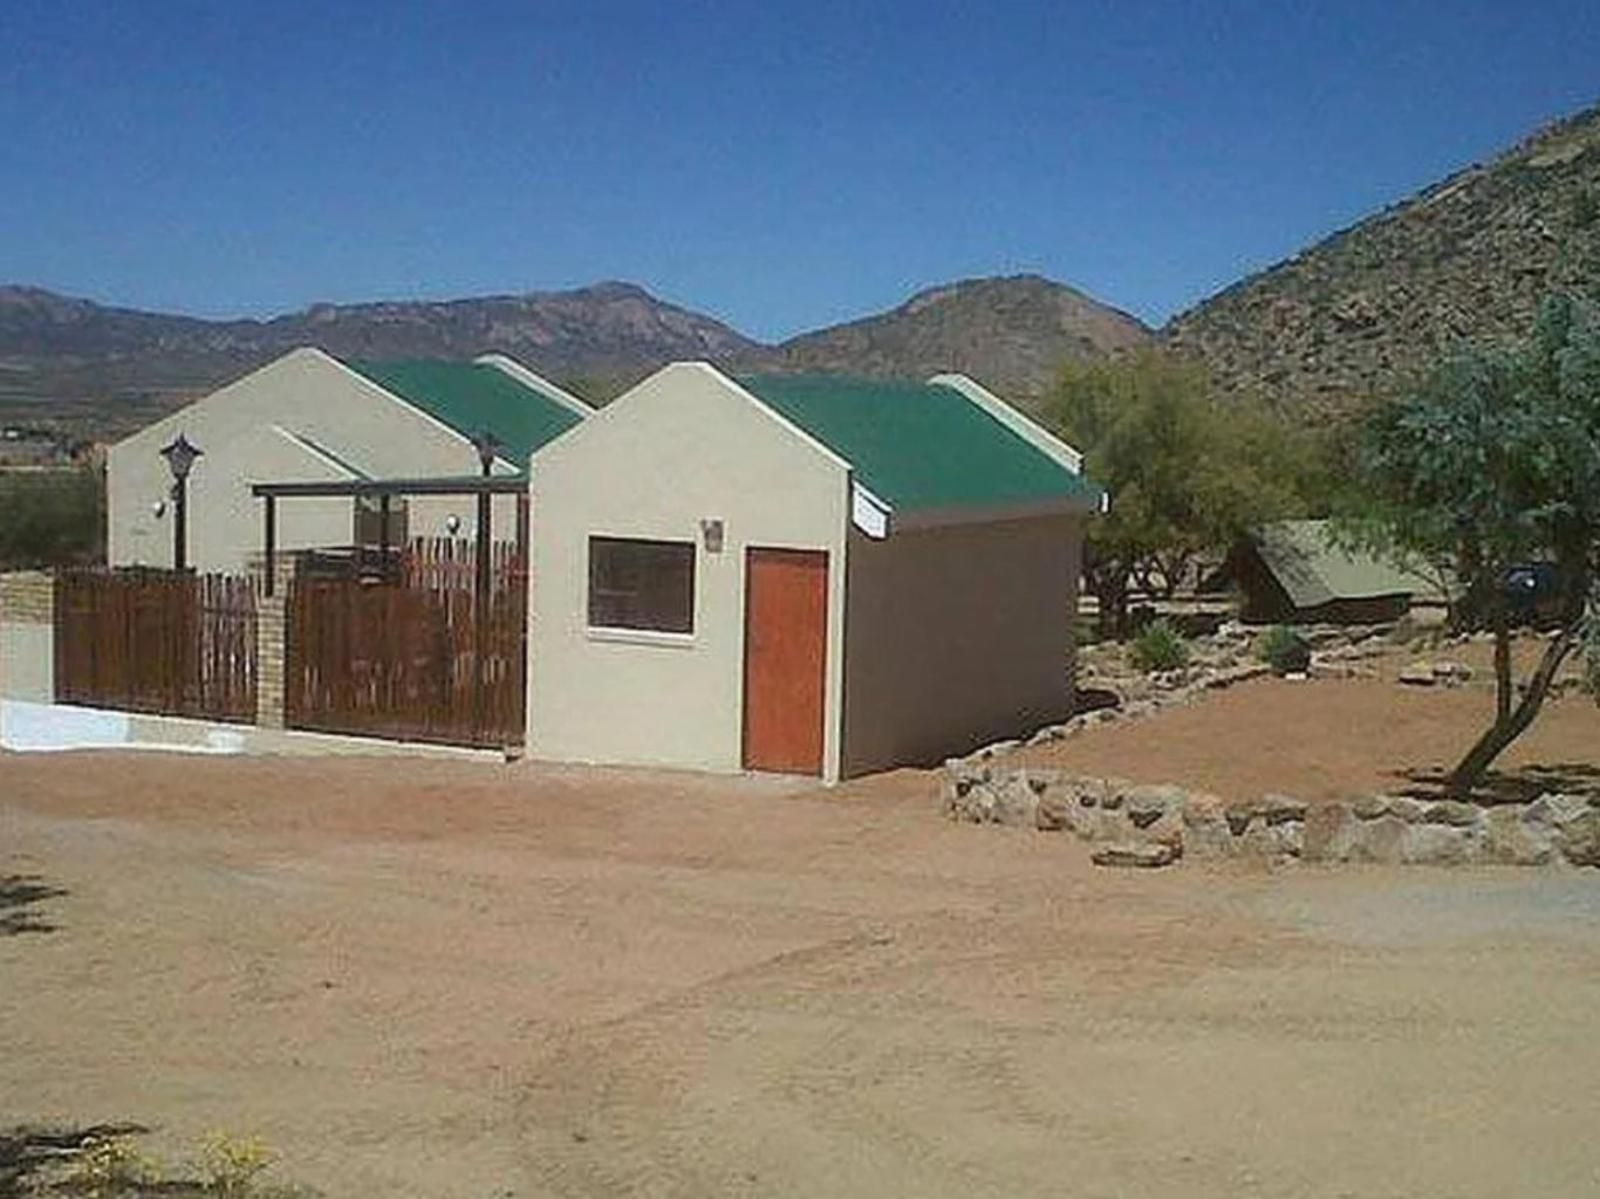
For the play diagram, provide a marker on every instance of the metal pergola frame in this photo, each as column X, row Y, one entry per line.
column 481, row 486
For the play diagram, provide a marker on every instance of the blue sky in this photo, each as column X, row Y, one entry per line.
column 781, row 166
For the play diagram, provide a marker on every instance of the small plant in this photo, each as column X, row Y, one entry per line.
column 110, row 1166
column 230, row 1164
column 1158, row 646
column 1285, row 650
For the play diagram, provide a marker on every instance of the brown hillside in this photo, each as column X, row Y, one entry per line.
column 1466, row 260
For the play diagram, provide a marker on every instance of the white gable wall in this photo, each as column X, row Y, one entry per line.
column 308, row 393
column 684, row 446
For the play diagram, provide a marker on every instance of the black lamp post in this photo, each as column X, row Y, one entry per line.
column 485, row 443
column 180, row 454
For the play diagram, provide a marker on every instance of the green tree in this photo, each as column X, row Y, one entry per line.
column 51, row 518
column 1187, row 475
column 1491, row 464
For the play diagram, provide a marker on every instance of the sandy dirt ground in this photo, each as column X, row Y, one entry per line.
column 1331, row 739
column 458, row 979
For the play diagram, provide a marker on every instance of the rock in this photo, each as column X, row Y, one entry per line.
column 1280, row 809
column 972, row 803
column 1205, row 826
column 998, row 749
column 1054, row 812
column 1452, row 674
column 1437, row 844
column 1147, row 804
column 1418, row 674
column 1145, row 854
column 1050, row 732
column 1556, row 809
column 1381, row 840
column 1328, row 833
column 1288, row 837
column 1370, row 807
column 1511, row 839
column 1453, row 812
column 1239, row 814
column 1579, row 839
column 1412, row 811
column 1016, row 802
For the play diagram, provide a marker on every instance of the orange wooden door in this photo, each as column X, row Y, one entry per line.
column 785, row 655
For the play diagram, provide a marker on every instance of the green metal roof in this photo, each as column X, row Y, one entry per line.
column 472, row 397
column 920, row 445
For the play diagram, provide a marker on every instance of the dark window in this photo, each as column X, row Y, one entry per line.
column 641, row 584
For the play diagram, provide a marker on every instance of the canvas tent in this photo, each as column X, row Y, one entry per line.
column 1295, row 572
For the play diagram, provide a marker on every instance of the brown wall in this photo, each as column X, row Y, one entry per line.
column 957, row 636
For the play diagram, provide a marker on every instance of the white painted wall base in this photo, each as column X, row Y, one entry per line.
column 43, row 728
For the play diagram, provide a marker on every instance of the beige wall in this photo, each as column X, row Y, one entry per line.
column 681, row 447
column 305, row 392
column 957, row 636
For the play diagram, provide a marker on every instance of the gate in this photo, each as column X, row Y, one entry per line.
column 176, row 644
column 415, row 654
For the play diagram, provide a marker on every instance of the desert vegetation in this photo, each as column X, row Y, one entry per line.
column 52, row 518
column 1188, row 473
column 1491, row 471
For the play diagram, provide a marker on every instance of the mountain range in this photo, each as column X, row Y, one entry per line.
column 72, row 361
column 1356, row 314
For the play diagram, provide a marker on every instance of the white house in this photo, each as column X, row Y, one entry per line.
column 309, row 417
column 800, row 574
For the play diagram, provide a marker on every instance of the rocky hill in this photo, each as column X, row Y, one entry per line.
column 1365, row 310
column 1012, row 333
column 104, row 371
column 71, row 359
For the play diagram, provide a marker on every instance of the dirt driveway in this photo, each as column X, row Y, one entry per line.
column 452, row 979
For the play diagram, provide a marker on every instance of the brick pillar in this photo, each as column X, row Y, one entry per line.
column 27, row 636
column 28, row 597
column 270, row 629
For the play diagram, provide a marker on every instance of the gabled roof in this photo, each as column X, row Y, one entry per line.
column 1313, row 570
column 475, row 397
column 922, row 446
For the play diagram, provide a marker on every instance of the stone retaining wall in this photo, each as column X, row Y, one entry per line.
column 1151, row 825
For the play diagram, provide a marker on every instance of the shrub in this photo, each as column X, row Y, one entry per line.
column 110, row 1166
column 1283, row 649
column 1158, row 646
column 231, row 1164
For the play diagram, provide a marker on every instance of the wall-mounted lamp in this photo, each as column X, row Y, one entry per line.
column 452, row 524
column 711, row 536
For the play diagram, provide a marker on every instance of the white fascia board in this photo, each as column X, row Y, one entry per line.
column 1030, row 431
column 869, row 513
column 534, row 382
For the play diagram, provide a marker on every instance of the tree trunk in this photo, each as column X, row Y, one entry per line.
column 1511, row 723
column 1113, row 596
